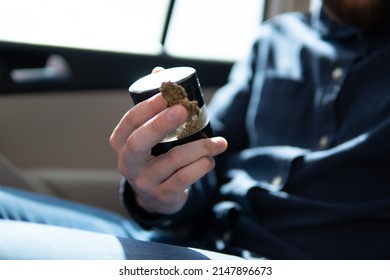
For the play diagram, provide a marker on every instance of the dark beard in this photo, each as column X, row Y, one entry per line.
column 366, row 17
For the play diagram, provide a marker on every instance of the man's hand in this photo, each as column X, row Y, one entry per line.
column 160, row 183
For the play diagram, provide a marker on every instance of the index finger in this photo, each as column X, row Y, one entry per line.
column 134, row 118
column 141, row 141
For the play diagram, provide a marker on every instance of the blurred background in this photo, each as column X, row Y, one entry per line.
column 65, row 69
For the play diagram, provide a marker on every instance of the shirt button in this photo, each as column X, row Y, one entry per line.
column 276, row 181
column 324, row 140
column 167, row 223
column 337, row 73
column 226, row 237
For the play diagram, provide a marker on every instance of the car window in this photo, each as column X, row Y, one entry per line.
column 213, row 29
column 209, row 29
column 115, row 25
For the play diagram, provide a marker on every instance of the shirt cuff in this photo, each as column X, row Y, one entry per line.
column 150, row 220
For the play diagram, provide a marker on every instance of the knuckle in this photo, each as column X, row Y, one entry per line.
column 133, row 146
column 122, row 168
column 181, row 178
column 129, row 119
column 207, row 163
column 175, row 156
column 112, row 141
column 157, row 126
column 126, row 170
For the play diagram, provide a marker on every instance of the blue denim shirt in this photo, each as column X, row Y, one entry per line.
column 307, row 172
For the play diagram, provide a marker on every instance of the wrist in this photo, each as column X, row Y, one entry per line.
column 155, row 206
column 141, row 203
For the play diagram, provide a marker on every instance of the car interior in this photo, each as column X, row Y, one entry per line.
column 65, row 72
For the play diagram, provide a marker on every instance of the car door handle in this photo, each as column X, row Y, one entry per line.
column 56, row 69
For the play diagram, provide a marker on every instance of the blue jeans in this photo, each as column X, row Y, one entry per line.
column 34, row 226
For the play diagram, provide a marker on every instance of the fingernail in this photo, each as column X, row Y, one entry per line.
column 220, row 142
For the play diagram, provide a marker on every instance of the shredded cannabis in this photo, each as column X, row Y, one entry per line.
column 176, row 94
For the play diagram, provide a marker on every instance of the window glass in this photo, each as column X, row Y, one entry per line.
column 213, row 29
column 117, row 25
column 205, row 29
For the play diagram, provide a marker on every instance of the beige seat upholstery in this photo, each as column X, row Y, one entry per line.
column 12, row 176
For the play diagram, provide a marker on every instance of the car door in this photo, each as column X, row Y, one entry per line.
column 65, row 69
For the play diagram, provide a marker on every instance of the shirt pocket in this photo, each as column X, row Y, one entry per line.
column 284, row 113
